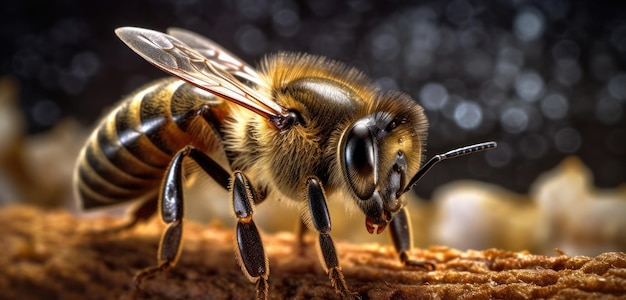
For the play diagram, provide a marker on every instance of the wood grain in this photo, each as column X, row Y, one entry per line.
column 51, row 255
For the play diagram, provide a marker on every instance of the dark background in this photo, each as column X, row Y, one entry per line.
column 545, row 79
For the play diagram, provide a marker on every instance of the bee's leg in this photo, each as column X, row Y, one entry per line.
column 403, row 240
column 251, row 255
column 321, row 220
column 171, row 206
column 301, row 230
column 141, row 213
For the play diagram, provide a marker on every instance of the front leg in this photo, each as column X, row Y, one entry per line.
column 321, row 221
column 403, row 240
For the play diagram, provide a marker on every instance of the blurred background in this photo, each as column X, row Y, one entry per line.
column 545, row 79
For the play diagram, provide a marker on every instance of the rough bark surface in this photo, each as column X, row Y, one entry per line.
column 51, row 255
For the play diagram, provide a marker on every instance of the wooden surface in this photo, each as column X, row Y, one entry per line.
column 50, row 255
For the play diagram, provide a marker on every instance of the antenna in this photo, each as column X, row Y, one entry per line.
column 450, row 154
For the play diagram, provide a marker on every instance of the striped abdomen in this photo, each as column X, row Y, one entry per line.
column 126, row 156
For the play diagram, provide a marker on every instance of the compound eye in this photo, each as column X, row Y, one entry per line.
column 359, row 160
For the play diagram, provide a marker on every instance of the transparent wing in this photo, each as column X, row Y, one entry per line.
column 208, row 73
column 213, row 51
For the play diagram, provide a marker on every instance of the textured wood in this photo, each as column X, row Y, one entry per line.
column 50, row 255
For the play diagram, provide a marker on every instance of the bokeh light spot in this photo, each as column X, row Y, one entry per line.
column 554, row 106
column 617, row 86
column 385, row 46
column 533, row 146
column 459, row 11
column 529, row 24
column 433, row 96
column 514, row 119
column 45, row 113
column 566, row 49
column 529, row 85
column 468, row 115
column 251, row 40
column 499, row 157
column 618, row 38
column 567, row 140
column 286, row 22
column 567, row 72
column 609, row 110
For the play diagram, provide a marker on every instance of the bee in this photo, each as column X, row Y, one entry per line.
column 300, row 127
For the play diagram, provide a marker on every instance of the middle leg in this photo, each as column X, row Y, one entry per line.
column 250, row 255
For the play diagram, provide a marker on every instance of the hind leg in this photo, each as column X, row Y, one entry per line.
column 171, row 206
column 139, row 214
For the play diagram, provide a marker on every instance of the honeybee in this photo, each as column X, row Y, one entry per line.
column 300, row 127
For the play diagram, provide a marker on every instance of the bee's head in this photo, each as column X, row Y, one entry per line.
column 379, row 153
